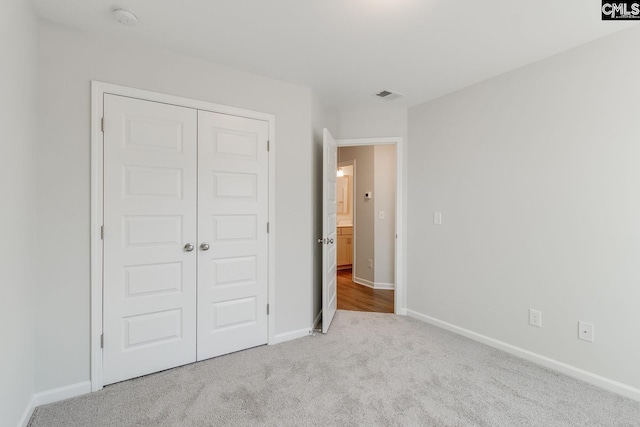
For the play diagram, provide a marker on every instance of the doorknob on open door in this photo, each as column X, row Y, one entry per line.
column 189, row 247
column 204, row 246
column 326, row 241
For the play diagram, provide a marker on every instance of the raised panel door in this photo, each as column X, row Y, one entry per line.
column 329, row 217
column 232, row 230
column 149, row 284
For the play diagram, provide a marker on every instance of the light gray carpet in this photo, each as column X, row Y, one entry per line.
column 371, row 369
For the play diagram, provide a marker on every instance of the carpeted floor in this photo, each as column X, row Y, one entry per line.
column 371, row 369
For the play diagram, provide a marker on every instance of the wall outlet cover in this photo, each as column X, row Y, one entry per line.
column 437, row 218
column 585, row 331
column 535, row 318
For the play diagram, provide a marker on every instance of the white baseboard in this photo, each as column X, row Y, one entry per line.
column 363, row 282
column 62, row 393
column 317, row 321
column 402, row 312
column 28, row 412
column 374, row 285
column 288, row 336
column 383, row 285
column 564, row 368
column 54, row 395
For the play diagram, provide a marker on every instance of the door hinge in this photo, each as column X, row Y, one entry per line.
column 102, row 232
column 102, row 341
column 102, row 124
column 267, row 309
column 267, row 227
column 268, row 145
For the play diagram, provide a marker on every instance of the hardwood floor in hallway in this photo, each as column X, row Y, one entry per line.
column 355, row 297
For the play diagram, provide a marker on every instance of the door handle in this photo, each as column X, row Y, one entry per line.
column 327, row 241
column 204, row 246
column 189, row 247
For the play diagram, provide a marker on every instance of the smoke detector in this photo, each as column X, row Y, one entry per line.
column 389, row 95
column 125, row 17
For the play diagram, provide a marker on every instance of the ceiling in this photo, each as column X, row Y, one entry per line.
column 347, row 50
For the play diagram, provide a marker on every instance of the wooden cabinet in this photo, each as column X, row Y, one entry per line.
column 345, row 247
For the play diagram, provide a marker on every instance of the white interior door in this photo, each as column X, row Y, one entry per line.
column 149, row 286
column 329, row 241
column 232, row 228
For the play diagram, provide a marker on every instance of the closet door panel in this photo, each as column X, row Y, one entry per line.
column 232, row 232
column 149, row 284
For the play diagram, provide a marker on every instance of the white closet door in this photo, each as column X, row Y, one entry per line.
column 232, row 232
column 150, row 152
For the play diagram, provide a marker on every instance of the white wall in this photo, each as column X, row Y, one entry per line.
column 385, row 120
column 18, row 33
column 384, row 198
column 68, row 60
column 537, row 175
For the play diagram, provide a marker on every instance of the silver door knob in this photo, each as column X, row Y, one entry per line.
column 204, row 246
column 189, row 247
column 321, row 241
column 330, row 241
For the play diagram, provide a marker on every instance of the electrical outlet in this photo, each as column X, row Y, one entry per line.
column 535, row 318
column 585, row 331
column 381, row 215
column 370, row 263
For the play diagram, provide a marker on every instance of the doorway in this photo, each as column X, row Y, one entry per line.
column 329, row 223
column 366, row 210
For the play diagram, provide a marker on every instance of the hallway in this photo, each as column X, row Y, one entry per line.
column 355, row 297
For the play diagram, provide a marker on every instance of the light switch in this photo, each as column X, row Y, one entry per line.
column 437, row 218
column 381, row 215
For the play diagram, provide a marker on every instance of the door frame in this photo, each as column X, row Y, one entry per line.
column 400, row 297
column 98, row 90
column 352, row 162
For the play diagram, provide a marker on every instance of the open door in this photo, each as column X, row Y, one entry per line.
column 329, row 238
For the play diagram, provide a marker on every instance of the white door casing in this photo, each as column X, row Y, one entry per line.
column 329, row 235
column 149, row 283
column 232, row 229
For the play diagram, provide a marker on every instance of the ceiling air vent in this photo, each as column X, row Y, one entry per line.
column 387, row 94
